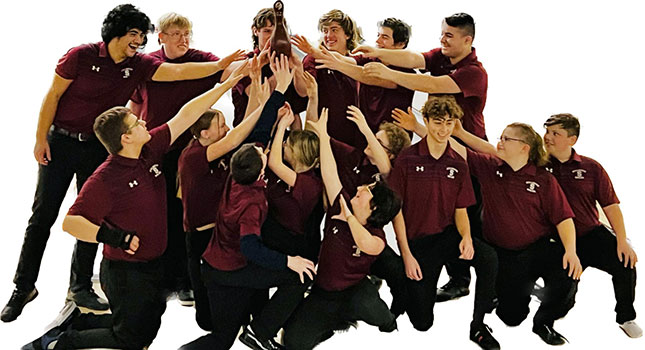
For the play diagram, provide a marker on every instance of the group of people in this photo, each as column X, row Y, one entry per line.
column 184, row 204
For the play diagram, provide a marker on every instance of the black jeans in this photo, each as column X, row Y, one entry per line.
column 322, row 311
column 598, row 249
column 137, row 304
column 389, row 266
column 69, row 157
column 196, row 243
column 234, row 295
column 431, row 252
column 518, row 271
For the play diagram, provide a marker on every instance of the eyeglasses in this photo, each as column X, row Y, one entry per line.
column 504, row 139
column 384, row 147
column 180, row 35
column 134, row 125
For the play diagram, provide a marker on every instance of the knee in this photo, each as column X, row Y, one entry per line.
column 511, row 319
column 422, row 325
column 294, row 341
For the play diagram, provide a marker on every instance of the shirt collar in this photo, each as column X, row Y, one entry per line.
column 103, row 51
column 471, row 57
column 527, row 169
column 422, row 149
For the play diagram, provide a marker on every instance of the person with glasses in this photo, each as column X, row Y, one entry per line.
column 120, row 206
column 88, row 80
column 454, row 69
column 524, row 207
column 353, row 239
column 433, row 228
column 585, row 182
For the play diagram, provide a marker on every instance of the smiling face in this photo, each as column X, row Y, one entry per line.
column 175, row 41
column 264, row 33
column 511, row 144
column 557, row 141
column 454, row 41
column 440, row 129
column 127, row 45
column 335, row 38
column 385, row 39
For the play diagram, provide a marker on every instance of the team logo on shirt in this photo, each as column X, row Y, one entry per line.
column 133, row 183
column 334, row 230
column 532, row 186
column 579, row 174
column 548, row 169
column 451, row 172
column 420, row 168
column 356, row 169
column 95, row 68
column 155, row 170
column 126, row 72
column 222, row 164
column 499, row 173
column 357, row 252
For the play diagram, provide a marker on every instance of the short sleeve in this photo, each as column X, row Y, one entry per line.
column 466, row 195
column 93, row 202
column 556, row 205
column 67, row 66
column 479, row 163
column 250, row 221
column 149, row 64
column 471, row 79
column 605, row 194
column 309, row 65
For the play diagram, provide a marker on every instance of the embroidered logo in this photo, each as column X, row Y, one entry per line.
column 133, row 183
column 356, row 169
column 532, row 186
column 420, row 168
column 549, row 169
column 222, row 164
column 357, row 252
column 498, row 173
column 155, row 170
column 451, row 172
column 579, row 174
column 126, row 72
column 95, row 68
column 334, row 230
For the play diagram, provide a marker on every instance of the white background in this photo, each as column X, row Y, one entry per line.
column 582, row 57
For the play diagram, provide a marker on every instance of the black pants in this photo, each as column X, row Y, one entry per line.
column 458, row 269
column 278, row 238
column 137, row 304
column 196, row 243
column 598, row 249
column 389, row 266
column 322, row 311
column 175, row 261
column 69, row 157
column 518, row 271
column 234, row 295
column 431, row 252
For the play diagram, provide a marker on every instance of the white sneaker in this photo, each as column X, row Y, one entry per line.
column 632, row 329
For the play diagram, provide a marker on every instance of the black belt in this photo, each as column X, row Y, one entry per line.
column 75, row 135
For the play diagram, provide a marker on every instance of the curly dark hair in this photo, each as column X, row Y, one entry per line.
column 122, row 19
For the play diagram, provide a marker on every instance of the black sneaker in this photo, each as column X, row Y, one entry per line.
column 481, row 335
column 549, row 335
column 186, row 297
column 88, row 299
column 19, row 298
column 451, row 290
column 538, row 292
column 251, row 340
column 46, row 342
column 65, row 317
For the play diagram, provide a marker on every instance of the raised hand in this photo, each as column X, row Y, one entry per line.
column 303, row 45
column 345, row 212
column 327, row 60
column 377, row 70
column 285, row 116
column 368, row 51
column 406, row 120
column 311, row 84
column 281, row 71
column 238, row 55
column 356, row 116
column 320, row 126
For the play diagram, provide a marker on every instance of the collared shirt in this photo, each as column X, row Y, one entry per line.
column 242, row 211
column 520, row 207
column 472, row 79
column 430, row 189
column 354, row 169
column 584, row 181
column 130, row 194
column 202, row 184
column 98, row 84
column 342, row 264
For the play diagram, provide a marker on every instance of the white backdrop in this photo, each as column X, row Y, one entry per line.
column 581, row 57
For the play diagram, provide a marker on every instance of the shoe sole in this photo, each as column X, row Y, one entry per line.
column 101, row 309
column 187, row 303
column 629, row 335
column 437, row 300
column 63, row 316
column 251, row 344
column 29, row 300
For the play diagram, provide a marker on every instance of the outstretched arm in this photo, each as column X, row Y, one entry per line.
column 312, row 95
column 84, row 230
column 276, row 164
column 379, row 154
column 364, row 240
column 328, row 166
column 408, row 121
column 474, row 142
column 413, row 81
column 335, row 61
column 195, row 70
column 393, row 57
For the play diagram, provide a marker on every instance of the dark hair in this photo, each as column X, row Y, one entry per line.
column 109, row 126
column 401, row 31
column 122, row 19
column 259, row 22
column 385, row 204
column 397, row 138
column 350, row 28
column 204, row 122
column 462, row 21
column 438, row 106
column 246, row 164
column 537, row 153
column 568, row 122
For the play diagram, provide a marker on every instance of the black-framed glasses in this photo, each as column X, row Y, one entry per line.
column 504, row 139
column 385, row 147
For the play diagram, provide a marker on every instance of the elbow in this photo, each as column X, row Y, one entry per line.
column 67, row 224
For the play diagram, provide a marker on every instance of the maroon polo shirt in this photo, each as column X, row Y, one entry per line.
column 202, row 184
column 520, row 207
column 584, row 181
column 431, row 189
column 241, row 99
column 341, row 265
column 336, row 91
column 98, row 84
column 354, row 169
column 241, row 212
column 472, row 79
column 377, row 102
column 292, row 206
column 160, row 101
column 130, row 194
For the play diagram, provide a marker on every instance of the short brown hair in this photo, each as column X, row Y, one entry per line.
column 438, row 106
column 567, row 121
column 305, row 146
column 246, row 164
column 347, row 23
column 109, row 126
column 204, row 122
column 259, row 21
column 537, row 153
column 397, row 138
